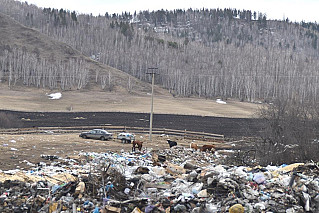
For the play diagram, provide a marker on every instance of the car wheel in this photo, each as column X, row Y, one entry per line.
column 102, row 138
column 123, row 140
column 84, row 136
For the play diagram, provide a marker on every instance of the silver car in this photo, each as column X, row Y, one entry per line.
column 100, row 134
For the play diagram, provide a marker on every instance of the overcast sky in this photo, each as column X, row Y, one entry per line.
column 295, row 10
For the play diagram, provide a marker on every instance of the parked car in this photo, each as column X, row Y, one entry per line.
column 126, row 137
column 100, row 134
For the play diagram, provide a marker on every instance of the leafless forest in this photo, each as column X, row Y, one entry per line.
column 204, row 53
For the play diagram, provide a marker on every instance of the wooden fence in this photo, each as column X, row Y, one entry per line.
column 116, row 129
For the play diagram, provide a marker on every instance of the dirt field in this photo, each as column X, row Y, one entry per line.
column 17, row 150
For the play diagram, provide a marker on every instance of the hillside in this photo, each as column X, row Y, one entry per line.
column 30, row 58
column 28, row 52
column 208, row 53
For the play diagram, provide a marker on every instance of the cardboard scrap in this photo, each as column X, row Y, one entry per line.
column 175, row 169
column 111, row 209
column 290, row 167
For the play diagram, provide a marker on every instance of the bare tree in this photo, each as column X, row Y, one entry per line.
column 207, row 53
column 290, row 132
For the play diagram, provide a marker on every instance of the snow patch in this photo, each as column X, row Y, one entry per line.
column 219, row 101
column 55, row 96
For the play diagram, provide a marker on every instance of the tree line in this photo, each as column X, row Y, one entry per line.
column 19, row 67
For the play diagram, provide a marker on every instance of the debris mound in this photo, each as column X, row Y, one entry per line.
column 172, row 180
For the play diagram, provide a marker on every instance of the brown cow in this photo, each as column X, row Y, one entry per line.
column 210, row 148
column 193, row 146
column 139, row 145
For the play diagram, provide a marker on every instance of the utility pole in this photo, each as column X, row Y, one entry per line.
column 152, row 99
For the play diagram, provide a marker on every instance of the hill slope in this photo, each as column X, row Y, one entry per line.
column 29, row 58
column 204, row 53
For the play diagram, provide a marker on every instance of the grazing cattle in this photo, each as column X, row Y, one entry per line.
column 139, row 145
column 193, row 146
column 171, row 143
column 205, row 148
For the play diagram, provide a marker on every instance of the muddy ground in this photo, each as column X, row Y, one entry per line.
column 230, row 127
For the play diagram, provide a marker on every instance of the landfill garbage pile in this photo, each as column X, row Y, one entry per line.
column 172, row 180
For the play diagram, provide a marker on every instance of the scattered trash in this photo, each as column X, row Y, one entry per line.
column 171, row 180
